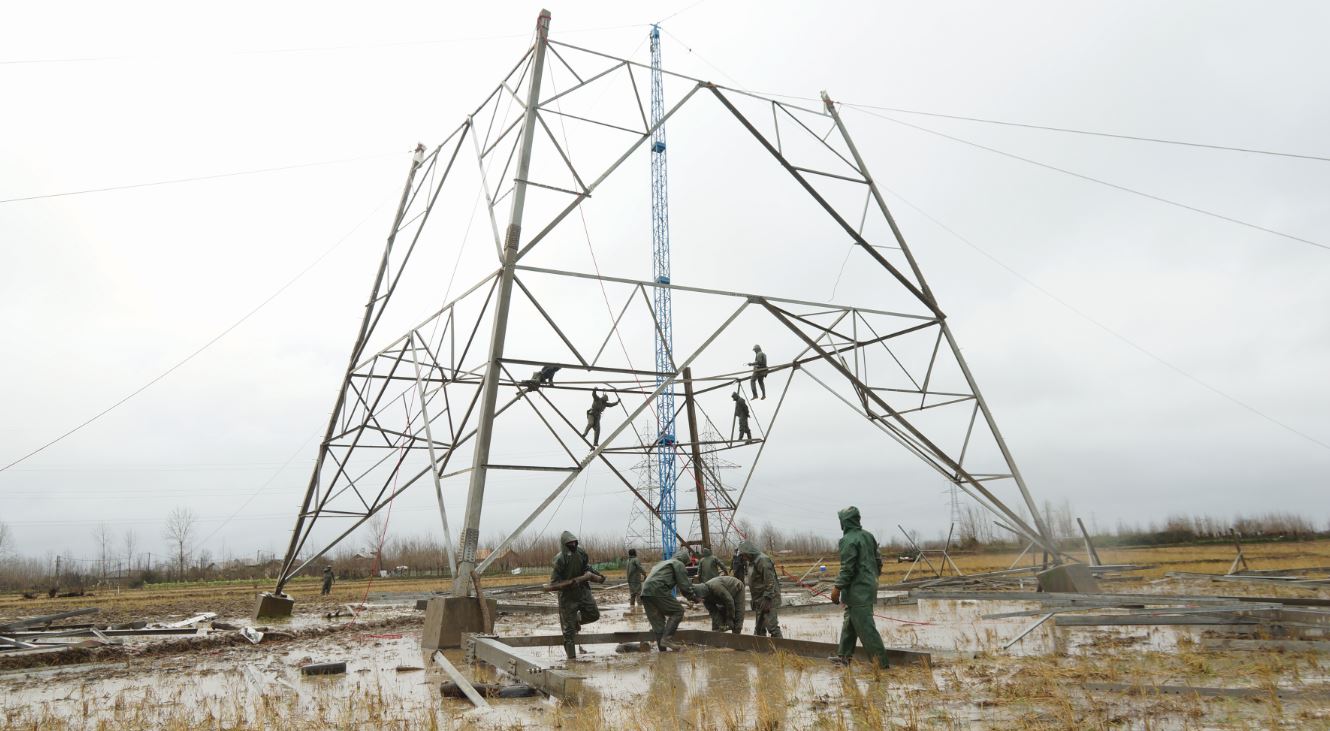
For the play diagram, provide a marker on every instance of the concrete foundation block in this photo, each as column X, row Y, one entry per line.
column 273, row 606
column 1072, row 578
column 447, row 617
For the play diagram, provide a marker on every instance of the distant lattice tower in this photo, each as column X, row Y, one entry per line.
column 643, row 527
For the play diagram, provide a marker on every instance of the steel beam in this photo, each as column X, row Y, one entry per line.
column 485, row 432
column 558, row 683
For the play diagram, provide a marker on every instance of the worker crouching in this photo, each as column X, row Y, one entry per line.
column 663, row 610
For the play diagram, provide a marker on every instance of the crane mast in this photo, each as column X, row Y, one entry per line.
column 663, row 451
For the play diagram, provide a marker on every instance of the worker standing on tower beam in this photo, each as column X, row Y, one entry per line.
column 759, row 364
column 860, row 565
column 598, row 405
column 741, row 414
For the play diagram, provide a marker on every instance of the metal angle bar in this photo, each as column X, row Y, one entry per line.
column 565, row 64
column 460, row 680
column 965, row 446
column 594, row 121
column 529, row 468
column 554, row 188
column 660, row 333
column 892, row 353
column 926, row 300
column 438, row 485
column 550, row 320
column 485, row 189
column 581, row 83
column 507, row 76
column 606, row 369
column 719, row 292
column 499, row 139
column 596, row 183
column 614, row 327
column 595, row 452
column 928, row 374
column 637, row 96
column 559, row 148
column 1028, row 630
column 829, row 175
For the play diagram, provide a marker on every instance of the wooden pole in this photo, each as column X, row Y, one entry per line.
column 697, row 456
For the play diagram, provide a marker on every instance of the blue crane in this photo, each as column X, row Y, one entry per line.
column 663, row 450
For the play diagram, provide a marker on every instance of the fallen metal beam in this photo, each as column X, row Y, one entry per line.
column 602, row 638
column 803, row 648
column 557, row 683
column 47, row 618
column 476, row 699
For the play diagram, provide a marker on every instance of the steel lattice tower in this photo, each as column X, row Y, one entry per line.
column 666, row 472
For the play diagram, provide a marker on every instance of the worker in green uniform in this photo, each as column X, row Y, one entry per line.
column 723, row 596
column 860, row 565
column 709, row 567
column 663, row 610
column 577, row 606
column 635, row 575
column 763, row 589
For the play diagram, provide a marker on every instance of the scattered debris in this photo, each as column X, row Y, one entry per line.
column 323, row 668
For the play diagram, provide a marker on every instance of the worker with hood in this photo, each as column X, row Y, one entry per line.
column 860, row 565
column 663, row 610
column 635, row 575
column 327, row 580
column 709, row 567
column 739, row 566
column 763, row 589
column 723, row 596
column 577, row 606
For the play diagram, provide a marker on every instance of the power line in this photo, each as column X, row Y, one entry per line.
column 216, row 176
column 205, row 346
column 1119, row 336
column 1069, row 130
column 310, row 49
column 1100, row 181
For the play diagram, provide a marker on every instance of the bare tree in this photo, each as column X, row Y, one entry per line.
column 131, row 542
column 179, row 531
column 102, row 539
column 6, row 540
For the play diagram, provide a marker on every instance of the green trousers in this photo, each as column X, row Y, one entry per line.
column 768, row 622
column 858, row 625
column 660, row 610
column 576, row 608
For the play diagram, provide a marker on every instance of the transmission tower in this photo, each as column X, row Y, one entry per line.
column 660, row 273
column 420, row 398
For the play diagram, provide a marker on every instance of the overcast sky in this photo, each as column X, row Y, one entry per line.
column 105, row 291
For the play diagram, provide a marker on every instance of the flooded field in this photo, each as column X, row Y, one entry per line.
column 1055, row 677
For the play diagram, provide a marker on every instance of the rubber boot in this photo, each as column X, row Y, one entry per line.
column 570, row 650
column 664, row 643
column 776, row 633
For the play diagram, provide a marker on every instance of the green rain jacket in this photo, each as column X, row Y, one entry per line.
column 709, row 567
column 635, row 573
column 570, row 564
column 762, row 580
column 726, row 591
column 860, row 561
column 666, row 576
